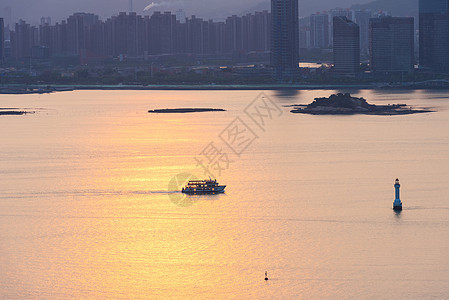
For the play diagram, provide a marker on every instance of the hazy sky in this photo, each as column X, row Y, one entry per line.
column 32, row 10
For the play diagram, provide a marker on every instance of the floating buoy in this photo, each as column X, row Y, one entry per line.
column 266, row 275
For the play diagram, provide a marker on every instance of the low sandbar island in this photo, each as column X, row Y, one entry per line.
column 183, row 110
column 13, row 112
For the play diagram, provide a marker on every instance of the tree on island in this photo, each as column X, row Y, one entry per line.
column 342, row 101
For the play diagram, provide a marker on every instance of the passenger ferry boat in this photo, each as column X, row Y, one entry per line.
column 203, row 187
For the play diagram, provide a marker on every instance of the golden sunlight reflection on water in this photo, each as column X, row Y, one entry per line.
column 86, row 210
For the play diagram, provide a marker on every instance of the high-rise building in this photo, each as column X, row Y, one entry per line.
column 337, row 12
column 434, row 34
column 197, row 36
column 162, row 30
column 433, row 6
column 45, row 21
column 59, row 40
column 233, row 34
column 319, row 31
column 284, row 38
column 218, row 38
column 46, row 35
column 346, row 44
column 262, row 28
column 22, row 39
column 362, row 17
column 2, row 40
column 128, row 33
column 77, row 31
column 248, row 39
column 7, row 13
column 392, row 44
column 180, row 38
column 181, row 16
column 304, row 33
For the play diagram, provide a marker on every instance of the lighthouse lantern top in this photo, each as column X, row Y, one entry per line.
column 397, row 181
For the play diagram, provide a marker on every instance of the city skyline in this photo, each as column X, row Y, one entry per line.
column 217, row 10
column 360, row 40
column 132, row 35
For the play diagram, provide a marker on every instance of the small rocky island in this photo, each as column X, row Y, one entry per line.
column 183, row 110
column 345, row 104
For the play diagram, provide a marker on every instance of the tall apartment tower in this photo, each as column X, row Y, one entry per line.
column 337, row 12
column 284, row 38
column 434, row 34
column 2, row 40
column 7, row 14
column 362, row 17
column 346, row 42
column 22, row 40
column 162, row 32
column 392, row 44
column 319, row 31
column 78, row 26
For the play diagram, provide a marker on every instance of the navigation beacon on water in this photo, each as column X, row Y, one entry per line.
column 397, row 204
column 203, row 187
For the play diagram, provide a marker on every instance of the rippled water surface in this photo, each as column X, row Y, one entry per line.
column 87, row 209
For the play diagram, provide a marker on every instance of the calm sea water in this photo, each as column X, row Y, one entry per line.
column 86, row 210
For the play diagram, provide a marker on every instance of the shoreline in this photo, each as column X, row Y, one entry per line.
column 20, row 89
column 368, row 113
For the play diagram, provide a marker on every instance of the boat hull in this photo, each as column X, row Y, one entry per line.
column 202, row 191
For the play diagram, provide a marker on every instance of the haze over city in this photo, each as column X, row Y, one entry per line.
column 60, row 9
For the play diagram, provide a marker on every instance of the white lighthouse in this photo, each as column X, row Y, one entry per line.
column 397, row 204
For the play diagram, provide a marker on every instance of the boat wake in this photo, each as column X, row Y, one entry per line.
column 80, row 193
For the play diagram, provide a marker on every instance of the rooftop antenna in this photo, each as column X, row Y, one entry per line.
column 131, row 6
